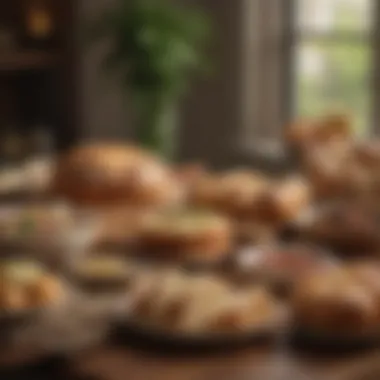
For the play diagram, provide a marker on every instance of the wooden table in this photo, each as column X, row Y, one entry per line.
column 127, row 363
column 245, row 364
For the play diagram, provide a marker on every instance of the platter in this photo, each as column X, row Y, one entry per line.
column 272, row 331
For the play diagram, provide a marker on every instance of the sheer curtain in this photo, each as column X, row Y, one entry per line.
column 265, row 74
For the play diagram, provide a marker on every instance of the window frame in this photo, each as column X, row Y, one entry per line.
column 372, row 39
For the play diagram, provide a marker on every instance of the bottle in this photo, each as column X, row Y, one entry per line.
column 39, row 23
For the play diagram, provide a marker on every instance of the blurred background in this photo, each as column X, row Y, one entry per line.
column 205, row 84
column 271, row 61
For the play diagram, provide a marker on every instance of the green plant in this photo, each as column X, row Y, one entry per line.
column 154, row 44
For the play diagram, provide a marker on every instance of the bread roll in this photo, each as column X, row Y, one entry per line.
column 368, row 154
column 308, row 133
column 336, row 302
column 242, row 190
column 333, row 171
column 234, row 193
column 285, row 201
column 348, row 228
column 108, row 174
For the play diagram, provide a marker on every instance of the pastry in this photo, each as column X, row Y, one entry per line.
column 44, row 291
column 285, row 201
column 114, row 174
column 162, row 302
column 368, row 274
column 333, row 127
column 346, row 227
column 343, row 169
column 368, row 154
column 328, row 169
column 234, row 193
column 337, row 303
column 190, row 235
column 305, row 134
column 240, row 312
column 187, row 304
column 25, row 286
column 241, row 191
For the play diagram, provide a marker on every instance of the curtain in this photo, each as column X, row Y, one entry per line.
column 265, row 71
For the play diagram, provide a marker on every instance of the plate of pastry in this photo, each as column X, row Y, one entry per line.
column 27, row 288
column 200, row 310
column 339, row 308
column 109, row 174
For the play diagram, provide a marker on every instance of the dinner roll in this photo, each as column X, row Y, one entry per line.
column 103, row 174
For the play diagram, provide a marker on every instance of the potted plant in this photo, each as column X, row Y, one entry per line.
column 154, row 45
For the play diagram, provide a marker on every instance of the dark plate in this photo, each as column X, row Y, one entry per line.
column 94, row 285
column 270, row 332
column 324, row 341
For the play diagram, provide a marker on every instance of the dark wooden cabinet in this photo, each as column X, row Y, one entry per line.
column 39, row 71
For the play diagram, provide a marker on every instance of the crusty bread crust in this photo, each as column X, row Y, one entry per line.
column 108, row 174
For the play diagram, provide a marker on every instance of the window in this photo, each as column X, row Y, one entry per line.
column 334, row 61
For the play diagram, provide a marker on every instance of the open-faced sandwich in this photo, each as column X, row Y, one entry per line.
column 188, row 235
column 102, row 272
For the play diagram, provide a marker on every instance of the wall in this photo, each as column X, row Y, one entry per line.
column 211, row 111
column 104, row 111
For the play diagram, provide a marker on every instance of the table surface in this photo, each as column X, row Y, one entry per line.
column 139, row 362
column 262, row 364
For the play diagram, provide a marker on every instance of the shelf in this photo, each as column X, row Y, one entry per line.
column 26, row 60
